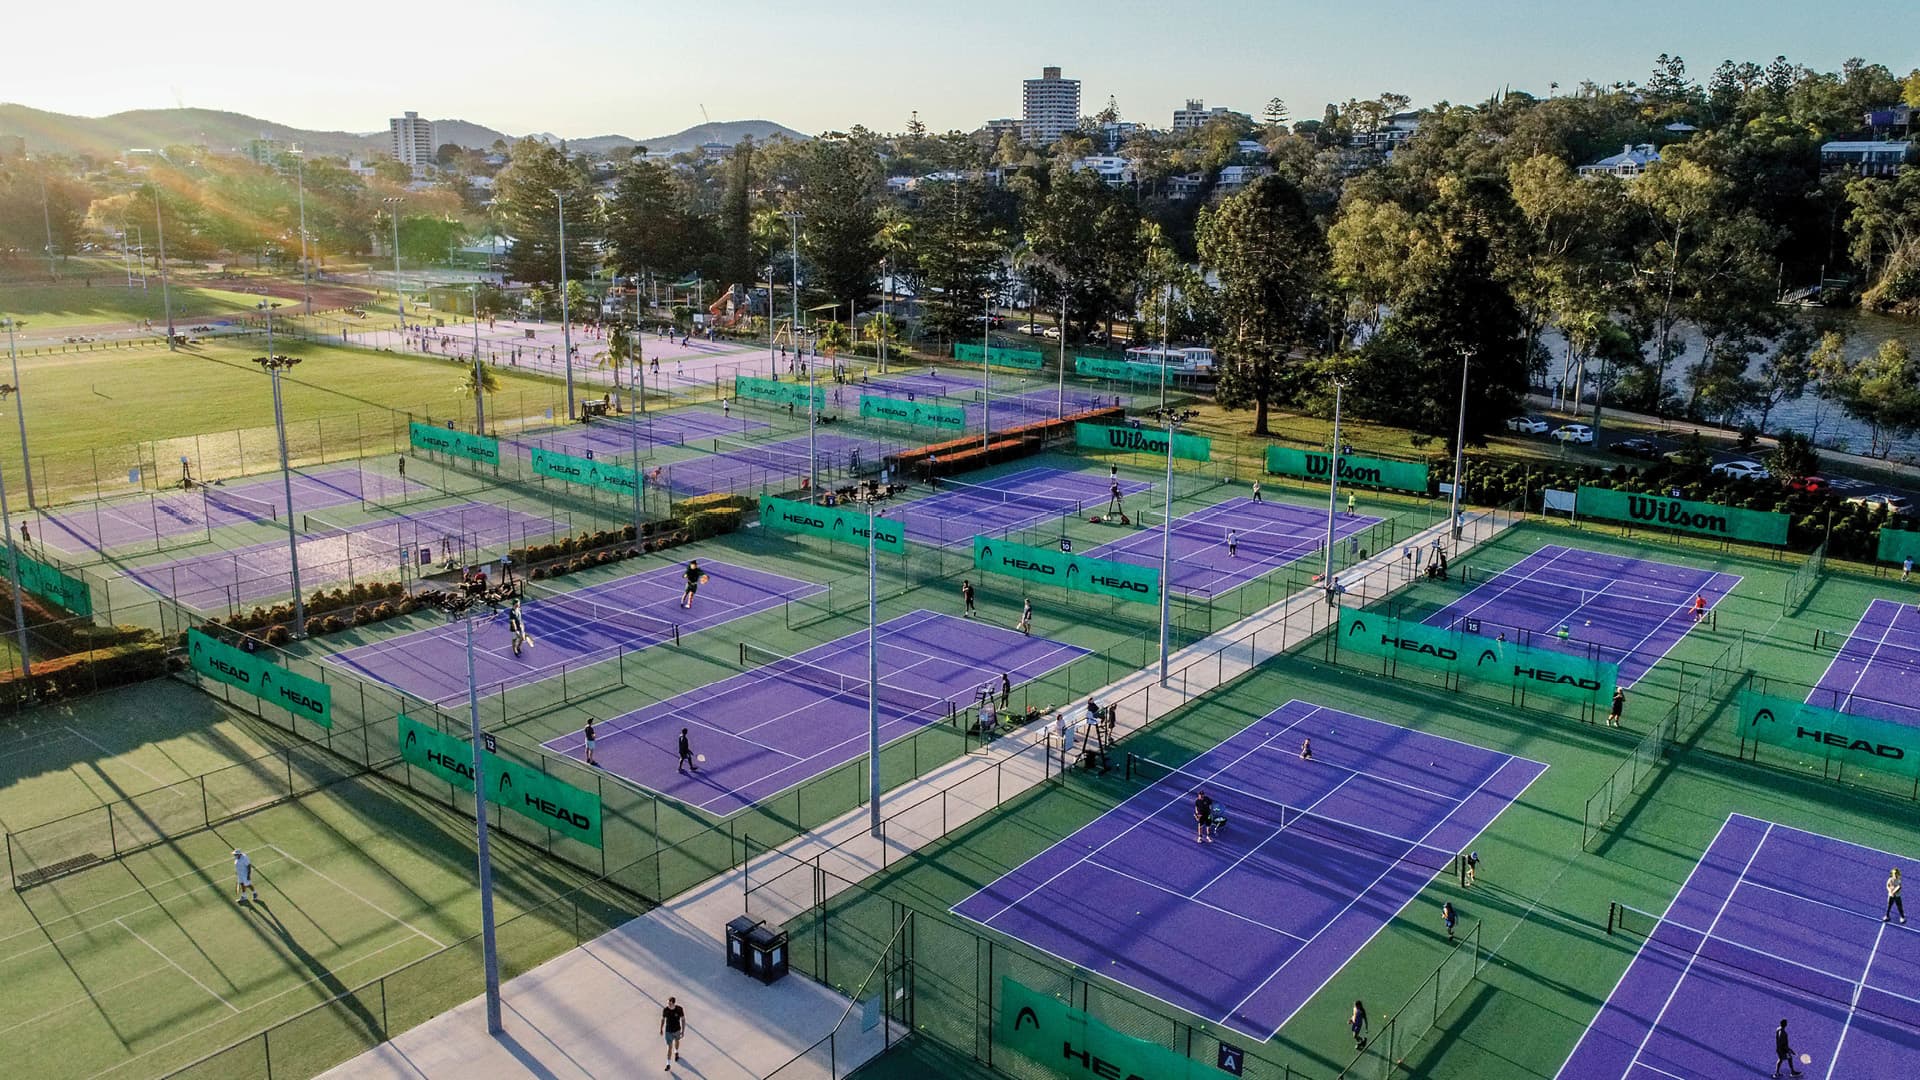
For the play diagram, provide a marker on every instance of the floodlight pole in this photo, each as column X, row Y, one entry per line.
column 160, row 231
column 794, row 217
column 20, row 408
column 1333, row 491
column 274, row 365
column 986, row 373
column 1172, row 419
column 13, row 570
column 873, row 666
column 479, row 376
column 1459, row 448
column 886, row 312
column 566, row 317
column 773, row 367
column 399, row 297
column 46, row 216
column 306, row 275
column 633, row 421
column 1060, row 390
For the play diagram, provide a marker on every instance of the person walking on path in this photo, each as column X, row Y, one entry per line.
column 587, row 735
column 1894, row 903
column 966, row 597
column 1357, row 1023
column 26, row 538
column 243, row 875
column 1026, row 616
column 1783, row 1051
column 1619, row 703
column 1447, row 919
column 673, row 1024
column 686, row 755
column 403, row 466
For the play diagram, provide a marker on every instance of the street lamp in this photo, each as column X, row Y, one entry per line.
column 773, row 368
column 1173, row 418
column 393, row 215
column 1333, row 493
column 20, row 407
column 306, row 279
column 794, row 217
column 1459, row 447
column 166, row 299
column 13, row 567
column 274, row 365
column 566, row 318
column 986, row 372
column 479, row 384
column 870, row 495
column 462, row 605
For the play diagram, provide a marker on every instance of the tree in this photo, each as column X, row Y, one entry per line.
column 736, row 262
column 1268, row 253
column 1091, row 233
column 956, row 252
column 1787, row 369
column 1882, row 392
column 647, row 220
column 529, row 208
column 430, row 240
column 1792, row 456
column 841, row 182
column 1275, row 114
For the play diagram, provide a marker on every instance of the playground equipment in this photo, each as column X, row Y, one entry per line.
column 730, row 309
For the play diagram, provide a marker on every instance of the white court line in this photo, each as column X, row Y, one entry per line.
column 1866, row 664
column 322, row 875
column 1281, row 828
column 90, row 995
column 84, row 737
column 176, row 967
column 36, row 743
column 52, row 941
column 1831, row 907
column 1192, row 898
column 1853, row 1007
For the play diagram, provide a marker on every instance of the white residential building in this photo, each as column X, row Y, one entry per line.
column 412, row 140
column 1235, row 177
column 1196, row 115
column 1630, row 162
column 1386, row 138
column 1050, row 107
column 1866, row 158
column 1116, row 170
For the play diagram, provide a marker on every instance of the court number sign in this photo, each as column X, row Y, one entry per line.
column 526, row 791
column 271, row 683
column 1068, row 1042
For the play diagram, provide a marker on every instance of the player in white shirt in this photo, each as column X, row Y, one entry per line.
column 243, row 875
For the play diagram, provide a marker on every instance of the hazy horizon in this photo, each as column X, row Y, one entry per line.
column 819, row 65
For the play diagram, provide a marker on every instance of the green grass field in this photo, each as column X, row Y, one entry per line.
column 108, row 302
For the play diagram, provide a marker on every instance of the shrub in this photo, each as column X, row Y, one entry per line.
column 84, row 672
column 278, row 635
column 362, row 615
column 705, row 523
column 329, row 624
column 385, row 610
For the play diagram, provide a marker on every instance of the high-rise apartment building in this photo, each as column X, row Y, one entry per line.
column 1051, row 107
column 412, row 140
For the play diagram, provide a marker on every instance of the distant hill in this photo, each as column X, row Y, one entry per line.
column 458, row 132
column 727, row 131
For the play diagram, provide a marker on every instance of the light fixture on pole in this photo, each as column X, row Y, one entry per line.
column 1173, row 418
column 20, row 407
column 306, row 276
column 13, row 568
column 773, row 369
column 1459, row 447
column 393, row 215
column 479, row 376
column 46, row 217
column 466, row 607
column 794, row 217
column 886, row 310
column 871, row 495
column 986, row 370
column 166, row 298
column 566, row 316
column 1333, row 494
column 274, row 365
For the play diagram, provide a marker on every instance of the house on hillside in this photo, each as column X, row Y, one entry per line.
column 1113, row 169
column 1630, row 162
column 1865, row 158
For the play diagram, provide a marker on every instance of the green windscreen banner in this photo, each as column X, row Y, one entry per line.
column 835, row 523
column 1025, row 359
column 1519, row 668
column 1094, row 367
column 440, row 440
column 1065, row 1041
column 602, row 475
column 271, row 683
column 1897, row 545
column 1857, row 741
column 51, row 582
column 1141, row 440
column 748, row 388
column 1079, row 573
column 1682, row 515
column 523, row 789
column 1373, row 634
column 925, row 414
column 1354, row 469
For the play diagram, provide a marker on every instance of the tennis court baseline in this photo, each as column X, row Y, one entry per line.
column 1267, row 536
column 1772, row 923
column 749, row 468
column 957, row 510
column 1616, row 608
column 615, row 436
column 769, row 728
column 1876, row 670
column 1316, row 857
column 630, row 613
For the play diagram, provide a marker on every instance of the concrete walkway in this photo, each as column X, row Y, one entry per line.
column 594, row 1011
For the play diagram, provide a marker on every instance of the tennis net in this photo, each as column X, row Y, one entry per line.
column 1771, row 970
column 776, row 665
column 580, row 611
column 769, row 455
column 258, row 509
column 1237, row 804
column 1018, row 501
column 1805, row 577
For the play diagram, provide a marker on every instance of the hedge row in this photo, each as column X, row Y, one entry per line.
column 81, row 673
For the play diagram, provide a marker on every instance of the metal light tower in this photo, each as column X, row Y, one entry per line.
column 794, row 217
column 1333, row 492
column 274, row 365
column 986, row 373
column 20, row 407
column 1459, row 447
column 160, row 232
column 479, row 376
column 872, row 495
column 566, row 317
column 400, row 298
column 306, row 275
column 13, row 568
column 1173, row 418
column 773, row 367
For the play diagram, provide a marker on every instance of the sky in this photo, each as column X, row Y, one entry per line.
column 578, row 68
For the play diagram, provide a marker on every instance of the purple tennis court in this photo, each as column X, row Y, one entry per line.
column 1008, row 409
column 1617, row 609
column 1772, row 923
column 958, row 511
column 1875, row 671
column 793, row 718
column 570, row 629
column 108, row 525
column 1266, row 536
column 750, row 468
column 262, row 571
column 1243, row 931
column 614, row 436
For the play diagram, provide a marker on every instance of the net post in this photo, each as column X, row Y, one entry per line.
column 1612, row 911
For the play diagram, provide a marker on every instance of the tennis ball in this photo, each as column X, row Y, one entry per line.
column 1589, row 622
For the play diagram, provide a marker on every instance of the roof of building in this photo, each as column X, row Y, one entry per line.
column 1864, row 146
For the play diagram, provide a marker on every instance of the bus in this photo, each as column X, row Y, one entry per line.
column 1180, row 360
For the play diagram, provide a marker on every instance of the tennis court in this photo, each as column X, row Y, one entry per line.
column 634, row 612
column 615, row 436
column 261, row 572
column 1772, row 923
column 788, row 719
column 958, row 510
column 1616, row 608
column 1315, row 858
column 104, row 526
column 1008, row 409
column 1267, row 536
column 1876, row 670
column 749, row 468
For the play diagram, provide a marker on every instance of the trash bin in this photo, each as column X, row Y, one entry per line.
column 737, row 932
column 766, row 953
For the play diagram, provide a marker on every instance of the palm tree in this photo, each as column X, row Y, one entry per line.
column 834, row 336
column 622, row 340
column 489, row 384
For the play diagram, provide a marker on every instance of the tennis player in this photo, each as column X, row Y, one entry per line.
column 1306, row 749
column 1202, row 818
column 243, row 874
column 966, row 597
column 1699, row 606
column 1233, row 545
column 695, row 579
column 517, row 627
column 1447, row 918
column 587, row 734
column 1357, row 1023
column 1473, row 866
column 1894, row 903
column 1783, row 1051
column 1619, row 703
column 686, row 754
column 1026, row 616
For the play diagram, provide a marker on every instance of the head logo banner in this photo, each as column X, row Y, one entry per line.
column 1683, row 515
column 1094, row 367
column 1522, row 668
column 1354, row 469
column 1141, row 440
column 1375, row 634
column 461, row 444
column 1025, row 359
column 56, row 585
column 834, row 523
column 511, row 786
column 796, row 395
column 1067, row 1042
column 603, row 476
column 1079, row 573
column 271, row 683
column 918, row 413
column 1857, row 741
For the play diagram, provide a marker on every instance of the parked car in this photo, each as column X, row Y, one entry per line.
column 1893, row 504
column 1811, row 485
column 1051, row 333
column 1743, row 470
column 1640, row 448
column 1528, row 425
column 1573, row 433
column 1032, row 329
